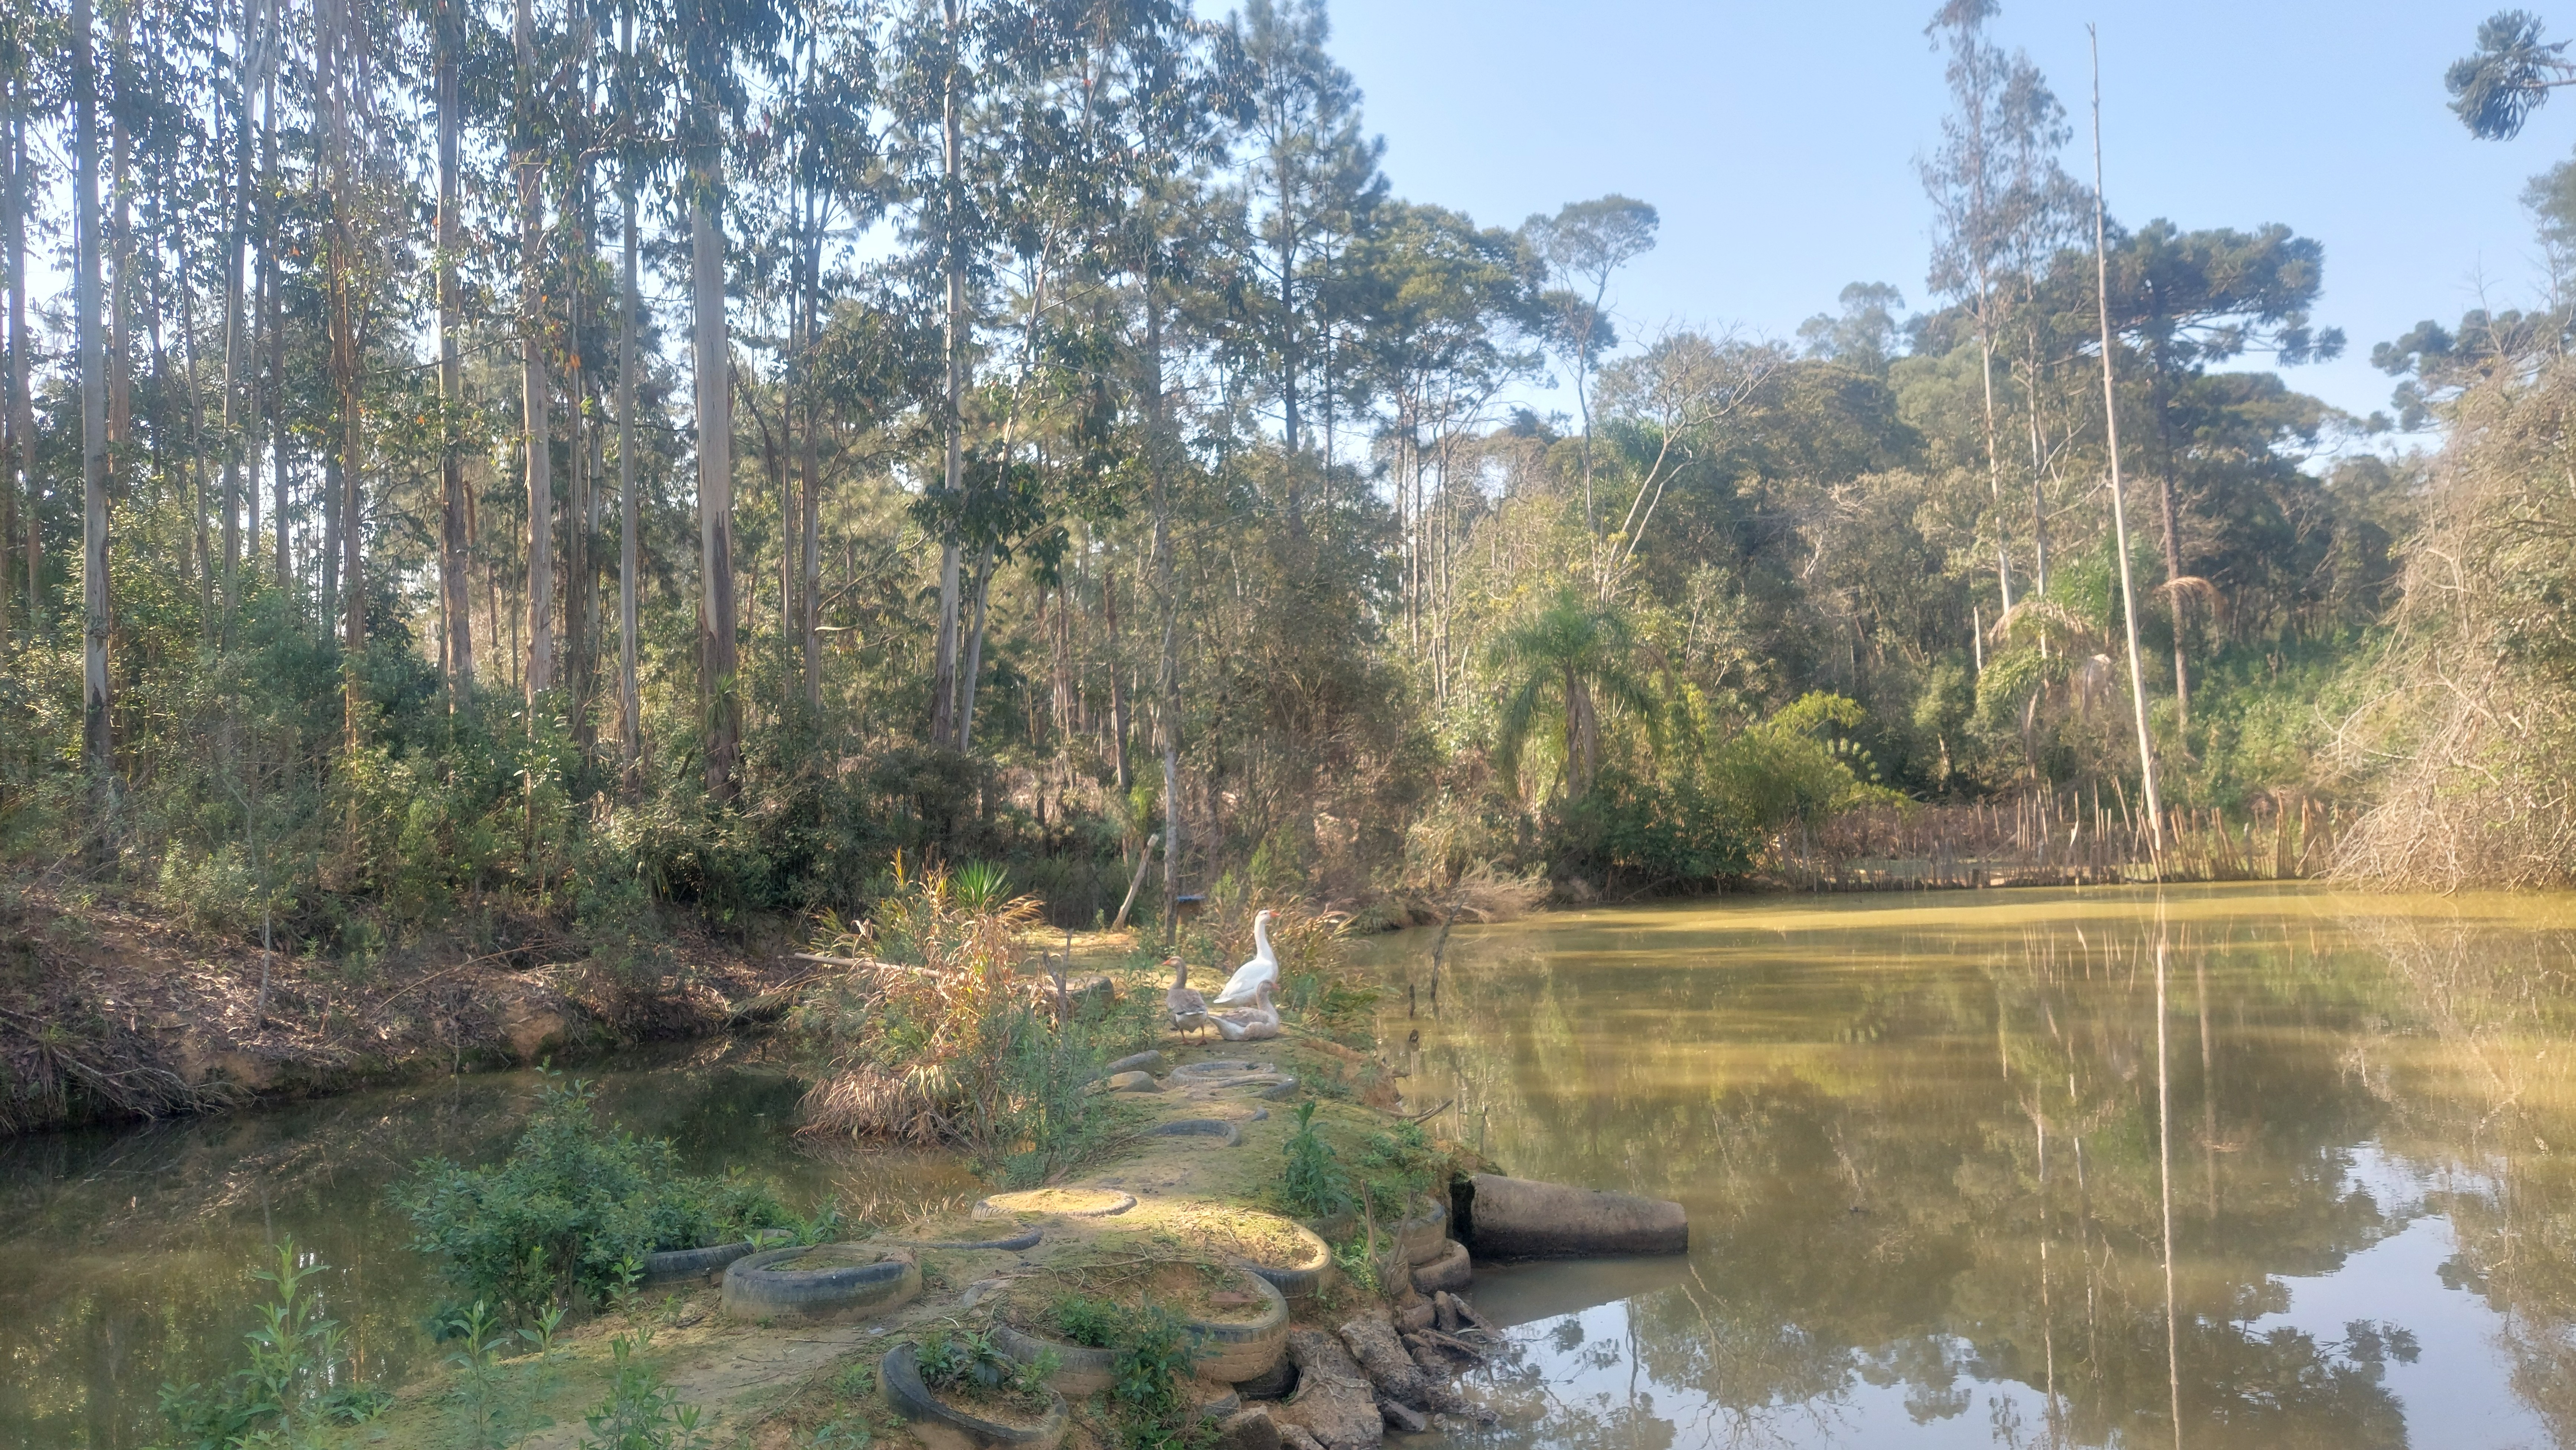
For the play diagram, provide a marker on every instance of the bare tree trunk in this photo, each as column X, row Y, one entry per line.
column 1158, row 464
column 454, row 559
column 630, row 711
column 943, row 677
column 22, row 410
column 13, row 443
column 236, row 429
column 2119, row 506
column 715, row 479
column 533, row 390
column 973, row 669
column 272, row 304
column 1118, row 722
column 809, row 458
column 97, row 748
column 120, row 240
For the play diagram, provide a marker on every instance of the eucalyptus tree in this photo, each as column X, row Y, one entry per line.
column 1961, row 179
column 711, row 34
column 1584, row 246
column 97, row 746
column 1309, row 176
column 17, row 200
column 528, row 142
column 448, row 37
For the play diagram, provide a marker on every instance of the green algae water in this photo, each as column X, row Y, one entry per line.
column 124, row 1255
column 2225, row 1167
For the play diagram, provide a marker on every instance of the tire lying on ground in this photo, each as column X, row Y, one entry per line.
column 673, row 1265
column 1451, row 1271
column 1425, row 1235
column 941, row 1426
column 1012, row 1244
column 1225, row 1133
column 1243, row 1346
column 821, row 1283
column 1521, row 1218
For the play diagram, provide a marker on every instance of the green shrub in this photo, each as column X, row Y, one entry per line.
column 573, row 1210
column 1316, row 1185
column 297, row 1379
column 641, row 1412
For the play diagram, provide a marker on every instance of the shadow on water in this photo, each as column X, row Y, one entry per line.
column 125, row 1256
column 1955, row 1179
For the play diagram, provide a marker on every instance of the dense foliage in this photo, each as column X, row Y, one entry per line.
column 594, row 460
column 571, row 1214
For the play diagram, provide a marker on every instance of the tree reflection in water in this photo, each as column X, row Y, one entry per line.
column 1930, row 1198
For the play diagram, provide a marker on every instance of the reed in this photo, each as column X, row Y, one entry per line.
column 2054, row 838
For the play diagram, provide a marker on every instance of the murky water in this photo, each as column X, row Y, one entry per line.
column 1934, row 1149
column 124, row 1255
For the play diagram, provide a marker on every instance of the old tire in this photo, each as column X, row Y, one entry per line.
column 942, row 1427
column 1225, row 1134
column 672, row 1265
column 1425, row 1236
column 1081, row 1371
column 753, row 1289
column 1451, row 1271
column 1245, row 1351
column 1219, row 1070
column 1303, row 1278
column 1061, row 1202
column 1014, row 1244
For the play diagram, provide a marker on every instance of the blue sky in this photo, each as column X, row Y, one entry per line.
column 1778, row 140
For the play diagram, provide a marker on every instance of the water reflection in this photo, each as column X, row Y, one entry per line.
column 124, row 1260
column 2266, row 1168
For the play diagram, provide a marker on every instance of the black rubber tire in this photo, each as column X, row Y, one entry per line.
column 1081, row 1371
column 1279, row 1384
column 672, row 1265
column 1246, row 1351
column 754, row 1290
column 1116, row 1202
column 1147, row 1061
column 899, row 1381
column 1227, row 1134
column 1218, row 1070
column 1013, row 1244
column 1452, row 1271
column 1301, row 1280
column 1425, row 1235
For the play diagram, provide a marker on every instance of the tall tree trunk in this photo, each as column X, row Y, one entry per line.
column 533, row 400
column 2173, row 542
column 453, row 558
column 120, row 240
column 13, row 443
column 236, row 430
column 97, row 749
column 1118, row 722
column 717, row 663
column 630, row 712
column 943, row 674
column 271, row 289
column 809, row 456
column 22, row 360
column 1158, row 464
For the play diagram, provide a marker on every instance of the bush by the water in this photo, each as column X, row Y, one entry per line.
column 298, row 1377
column 571, row 1214
column 1315, row 1185
column 930, row 1037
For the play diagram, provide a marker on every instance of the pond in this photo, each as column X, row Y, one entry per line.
column 2260, row 1166
column 124, row 1261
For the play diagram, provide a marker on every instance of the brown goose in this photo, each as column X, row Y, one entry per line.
column 1189, row 1007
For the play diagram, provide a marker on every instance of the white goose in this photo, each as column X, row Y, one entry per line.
column 1264, row 967
column 1249, row 1024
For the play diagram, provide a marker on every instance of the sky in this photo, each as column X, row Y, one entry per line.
column 1779, row 141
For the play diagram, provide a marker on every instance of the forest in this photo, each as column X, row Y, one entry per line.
column 612, row 464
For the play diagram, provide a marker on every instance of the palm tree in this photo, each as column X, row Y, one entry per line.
column 1575, row 648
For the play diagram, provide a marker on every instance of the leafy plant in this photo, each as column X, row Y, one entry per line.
column 641, row 1412
column 572, row 1212
column 1092, row 1323
column 968, row 1362
column 1315, row 1185
column 1397, row 1164
column 489, row 1397
column 296, row 1381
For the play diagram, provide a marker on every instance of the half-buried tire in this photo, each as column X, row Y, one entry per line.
column 846, row 1281
column 1304, row 1277
column 940, row 1426
column 673, row 1265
